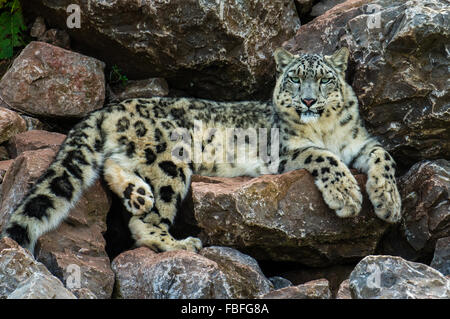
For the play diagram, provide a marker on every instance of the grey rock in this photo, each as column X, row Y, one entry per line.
column 398, row 69
column 40, row 286
column 390, row 277
column 441, row 258
column 280, row 282
column 316, row 289
column 21, row 276
column 344, row 290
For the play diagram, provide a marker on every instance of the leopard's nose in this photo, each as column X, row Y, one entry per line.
column 309, row 102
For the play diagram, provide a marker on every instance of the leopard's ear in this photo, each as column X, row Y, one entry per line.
column 339, row 59
column 282, row 58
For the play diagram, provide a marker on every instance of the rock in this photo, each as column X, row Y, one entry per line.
column 304, row 6
column 390, row 277
column 317, row 289
column 77, row 247
column 344, row 290
column 21, row 276
column 77, row 244
column 282, row 218
column 38, row 29
column 210, row 49
column 22, row 173
column 40, row 286
column 59, row 38
column 34, row 140
column 425, row 191
column 243, row 273
column 4, row 165
column 280, row 282
column 143, row 274
column 401, row 43
column 143, row 88
column 49, row 81
column 441, row 259
column 10, row 124
column 323, row 6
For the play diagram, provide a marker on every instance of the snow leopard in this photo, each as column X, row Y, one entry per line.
column 132, row 144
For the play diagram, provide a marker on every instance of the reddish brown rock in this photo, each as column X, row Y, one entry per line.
column 397, row 43
column 34, row 140
column 78, row 241
column 317, row 289
column 282, row 217
column 211, row 49
column 10, row 124
column 46, row 80
column 4, row 165
column 425, row 192
column 19, row 178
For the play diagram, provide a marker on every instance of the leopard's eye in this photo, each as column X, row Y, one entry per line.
column 294, row 79
column 325, row 80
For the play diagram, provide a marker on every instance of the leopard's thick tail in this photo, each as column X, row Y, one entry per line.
column 75, row 167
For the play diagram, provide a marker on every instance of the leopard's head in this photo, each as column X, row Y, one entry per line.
column 309, row 85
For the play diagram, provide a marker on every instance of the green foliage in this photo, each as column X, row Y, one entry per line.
column 116, row 75
column 12, row 27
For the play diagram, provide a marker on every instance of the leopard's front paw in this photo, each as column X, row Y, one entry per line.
column 343, row 195
column 384, row 195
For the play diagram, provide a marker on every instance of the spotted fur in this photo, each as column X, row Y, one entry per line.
column 314, row 111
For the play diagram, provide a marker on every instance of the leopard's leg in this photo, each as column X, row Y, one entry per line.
column 337, row 184
column 136, row 194
column 381, row 185
column 170, row 183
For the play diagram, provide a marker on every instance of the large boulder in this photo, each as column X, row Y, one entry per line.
column 49, row 81
column 316, row 289
column 216, row 272
column 389, row 277
column 282, row 218
column 213, row 49
column 398, row 69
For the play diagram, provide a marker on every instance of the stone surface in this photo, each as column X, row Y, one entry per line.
column 317, row 289
column 211, row 49
column 19, row 178
column 344, row 290
column 143, row 274
column 282, row 218
column 78, row 247
column 59, row 38
column 280, row 282
column 398, row 69
column 390, row 277
column 323, row 6
column 441, row 259
column 78, row 241
column 10, row 124
column 21, row 276
column 49, row 81
column 34, row 140
column 4, row 165
column 40, row 286
column 425, row 193
column 243, row 273
column 143, row 88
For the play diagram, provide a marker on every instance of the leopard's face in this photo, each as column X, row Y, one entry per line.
column 309, row 85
